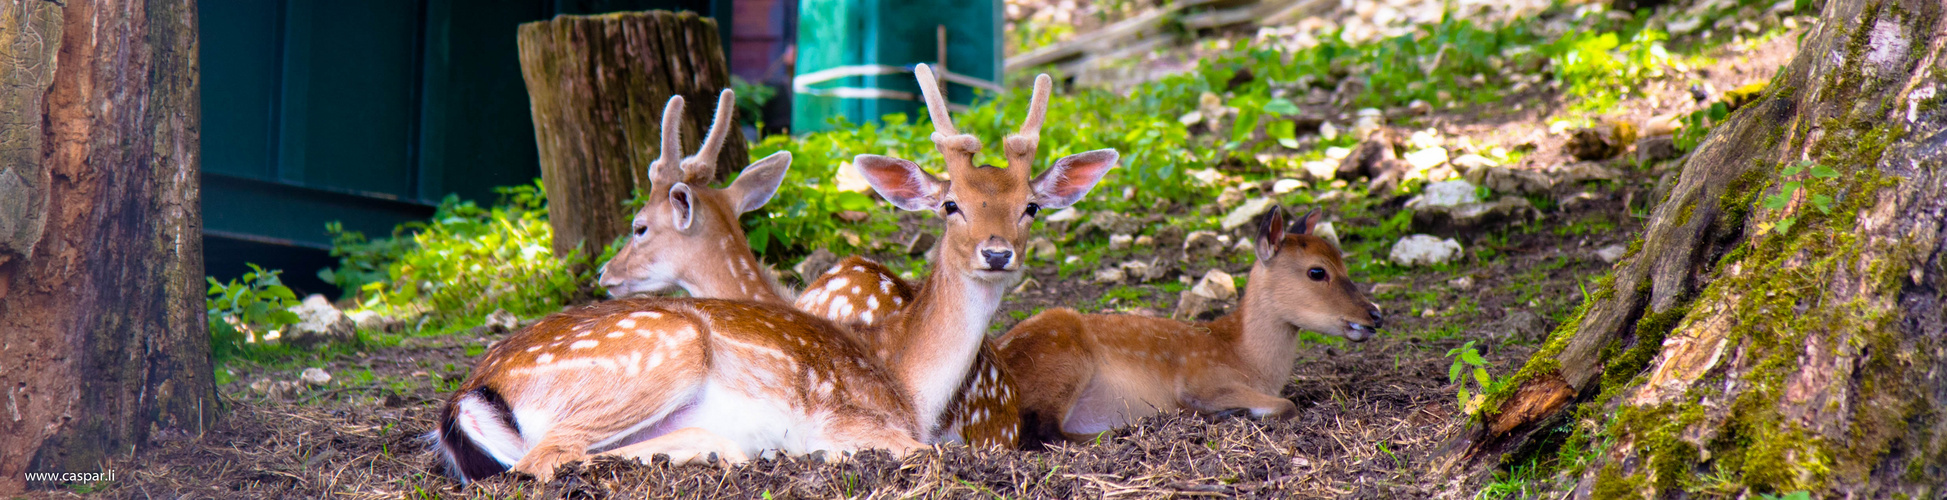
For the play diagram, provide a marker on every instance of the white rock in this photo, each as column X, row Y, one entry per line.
column 1328, row 131
column 1201, row 244
column 1120, row 241
column 1135, row 269
column 1065, row 215
column 1145, row 241
column 1244, row 246
column 1423, row 139
column 315, row 376
column 1338, row 152
column 1321, row 169
column 1421, row 249
column 1324, row 230
column 318, row 322
column 1243, row 214
column 1451, row 193
column 1071, row 259
column 1041, row 248
column 1366, row 125
column 1215, row 285
column 1472, row 161
column 1109, row 275
column 1206, row 176
column 1286, row 185
column 1612, row 253
column 849, row 179
column 1426, row 158
column 502, row 321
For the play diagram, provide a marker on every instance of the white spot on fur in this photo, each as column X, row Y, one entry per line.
column 615, row 334
column 625, row 323
column 837, row 284
column 544, row 358
column 583, row 344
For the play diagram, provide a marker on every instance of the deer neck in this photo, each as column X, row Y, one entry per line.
column 1266, row 343
column 736, row 275
column 936, row 337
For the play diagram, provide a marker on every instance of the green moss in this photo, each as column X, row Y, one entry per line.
column 1611, row 485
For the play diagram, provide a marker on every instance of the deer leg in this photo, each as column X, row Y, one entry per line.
column 1237, row 398
column 688, row 445
column 1050, row 368
column 553, row 450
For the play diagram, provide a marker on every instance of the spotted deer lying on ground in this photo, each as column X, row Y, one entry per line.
column 858, row 292
column 1089, row 373
column 693, row 378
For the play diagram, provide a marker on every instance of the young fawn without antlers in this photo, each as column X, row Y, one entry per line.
column 858, row 291
column 1090, row 373
column 693, row 377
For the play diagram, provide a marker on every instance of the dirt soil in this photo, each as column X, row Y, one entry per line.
column 1370, row 415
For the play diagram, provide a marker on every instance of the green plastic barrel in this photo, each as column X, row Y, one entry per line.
column 856, row 57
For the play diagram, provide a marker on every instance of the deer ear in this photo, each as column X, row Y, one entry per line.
column 901, row 182
column 1305, row 223
column 1270, row 233
column 1071, row 177
column 682, row 206
column 759, row 181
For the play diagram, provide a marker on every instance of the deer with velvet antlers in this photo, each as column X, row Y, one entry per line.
column 1090, row 373
column 692, row 378
column 689, row 238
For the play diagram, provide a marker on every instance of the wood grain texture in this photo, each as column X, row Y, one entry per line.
column 597, row 86
column 105, row 343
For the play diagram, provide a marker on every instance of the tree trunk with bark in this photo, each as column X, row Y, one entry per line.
column 1782, row 324
column 597, row 86
column 103, row 342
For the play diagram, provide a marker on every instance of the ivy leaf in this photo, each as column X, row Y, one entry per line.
column 1285, row 132
column 1480, row 376
column 1824, row 172
column 1785, row 224
column 1794, row 169
column 1463, row 398
column 1281, row 106
column 1472, row 357
column 1822, row 202
column 1453, row 373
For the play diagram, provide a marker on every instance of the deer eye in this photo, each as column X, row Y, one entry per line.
column 641, row 229
column 1033, row 208
column 1317, row 274
column 950, row 208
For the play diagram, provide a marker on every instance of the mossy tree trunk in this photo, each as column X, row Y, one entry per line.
column 1780, row 327
column 597, row 86
column 103, row 341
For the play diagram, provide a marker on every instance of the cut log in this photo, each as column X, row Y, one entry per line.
column 1782, row 325
column 597, row 86
column 105, row 345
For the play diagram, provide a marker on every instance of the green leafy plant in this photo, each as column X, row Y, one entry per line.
column 465, row 263
column 1602, row 68
column 1783, row 198
column 1468, row 360
column 751, row 98
column 244, row 309
column 1698, row 123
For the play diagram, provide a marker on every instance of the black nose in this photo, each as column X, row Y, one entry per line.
column 997, row 259
column 1377, row 319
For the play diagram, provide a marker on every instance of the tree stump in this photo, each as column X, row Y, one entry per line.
column 1782, row 324
column 103, row 341
column 597, row 86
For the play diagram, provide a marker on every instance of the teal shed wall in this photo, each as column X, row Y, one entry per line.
column 839, row 33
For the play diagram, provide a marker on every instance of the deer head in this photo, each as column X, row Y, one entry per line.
column 987, row 209
column 1300, row 280
column 684, row 217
